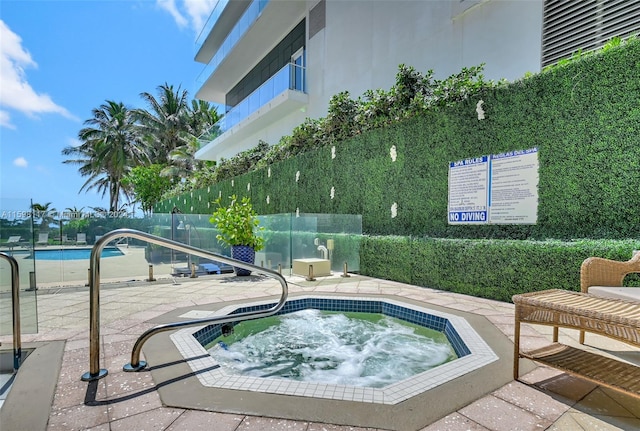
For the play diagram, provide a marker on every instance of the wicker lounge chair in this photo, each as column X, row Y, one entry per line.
column 604, row 277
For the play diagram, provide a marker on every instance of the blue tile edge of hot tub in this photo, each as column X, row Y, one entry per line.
column 441, row 324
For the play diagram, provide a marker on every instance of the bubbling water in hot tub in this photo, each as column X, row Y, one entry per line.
column 370, row 350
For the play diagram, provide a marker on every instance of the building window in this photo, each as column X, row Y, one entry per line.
column 297, row 71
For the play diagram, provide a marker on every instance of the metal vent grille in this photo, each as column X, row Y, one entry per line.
column 569, row 26
column 317, row 18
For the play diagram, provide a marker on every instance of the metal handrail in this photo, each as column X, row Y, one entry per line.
column 15, row 306
column 95, row 372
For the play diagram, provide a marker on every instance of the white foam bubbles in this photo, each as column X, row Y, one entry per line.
column 313, row 346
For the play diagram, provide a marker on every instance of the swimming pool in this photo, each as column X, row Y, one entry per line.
column 72, row 253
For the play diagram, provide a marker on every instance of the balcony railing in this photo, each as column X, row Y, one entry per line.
column 244, row 23
column 290, row 77
column 211, row 21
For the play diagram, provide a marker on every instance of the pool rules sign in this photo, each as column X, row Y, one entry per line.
column 497, row 189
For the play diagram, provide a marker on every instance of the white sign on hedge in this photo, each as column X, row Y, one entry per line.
column 500, row 189
column 468, row 194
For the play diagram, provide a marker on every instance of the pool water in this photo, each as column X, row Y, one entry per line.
column 73, row 253
column 356, row 349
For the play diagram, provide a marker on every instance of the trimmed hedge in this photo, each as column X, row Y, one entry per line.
column 495, row 269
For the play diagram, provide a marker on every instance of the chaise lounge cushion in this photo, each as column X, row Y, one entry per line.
column 628, row 293
column 210, row 268
column 605, row 277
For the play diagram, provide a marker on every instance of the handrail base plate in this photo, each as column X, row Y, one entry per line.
column 130, row 368
column 88, row 377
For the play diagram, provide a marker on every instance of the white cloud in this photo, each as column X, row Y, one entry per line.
column 199, row 11
column 171, row 7
column 20, row 162
column 5, row 120
column 15, row 92
column 189, row 13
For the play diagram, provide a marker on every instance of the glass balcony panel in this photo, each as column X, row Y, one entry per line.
column 289, row 77
column 297, row 78
column 266, row 92
column 243, row 112
column 244, row 23
column 253, row 102
column 211, row 21
column 281, row 79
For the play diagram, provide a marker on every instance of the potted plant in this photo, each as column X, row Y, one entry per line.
column 237, row 224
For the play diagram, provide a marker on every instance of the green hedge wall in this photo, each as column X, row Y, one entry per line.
column 584, row 119
column 495, row 269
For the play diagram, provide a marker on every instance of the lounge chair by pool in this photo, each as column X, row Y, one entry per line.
column 43, row 239
column 13, row 241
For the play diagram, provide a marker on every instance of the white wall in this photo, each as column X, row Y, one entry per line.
column 364, row 42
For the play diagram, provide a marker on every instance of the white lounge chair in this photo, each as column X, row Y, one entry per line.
column 13, row 241
column 81, row 238
column 43, row 239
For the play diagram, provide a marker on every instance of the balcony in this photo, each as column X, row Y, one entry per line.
column 223, row 18
column 262, row 24
column 243, row 25
column 281, row 95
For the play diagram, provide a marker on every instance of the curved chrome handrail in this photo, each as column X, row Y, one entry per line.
column 95, row 372
column 15, row 306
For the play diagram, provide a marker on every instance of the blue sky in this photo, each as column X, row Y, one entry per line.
column 59, row 60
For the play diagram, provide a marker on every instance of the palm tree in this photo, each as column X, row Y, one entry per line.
column 166, row 124
column 45, row 214
column 111, row 146
column 202, row 117
column 73, row 212
column 182, row 161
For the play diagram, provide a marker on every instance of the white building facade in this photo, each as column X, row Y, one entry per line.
column 273, row 63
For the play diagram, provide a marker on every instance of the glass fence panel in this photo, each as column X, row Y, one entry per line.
column 17, row 240
column 326, row 239
column 62, row 256
column 276, row 254
column 63, row 247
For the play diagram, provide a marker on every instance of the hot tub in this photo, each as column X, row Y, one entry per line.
column 343, row 404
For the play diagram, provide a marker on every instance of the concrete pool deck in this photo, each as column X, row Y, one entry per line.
column 134, row 401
